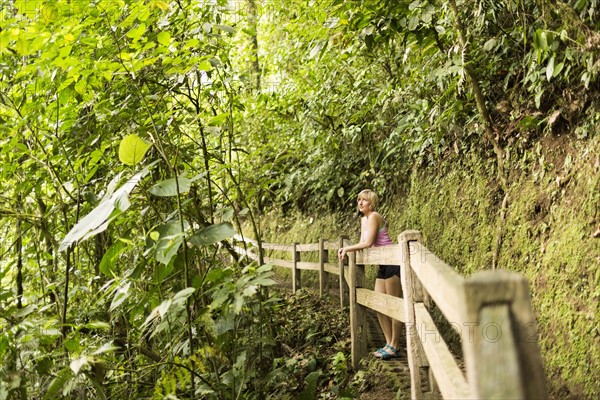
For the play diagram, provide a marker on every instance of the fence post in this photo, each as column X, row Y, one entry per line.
column 342, row 279
column 500, row 347
column 296, row 277
column 421, row 382
column 323, row 276
column 358, row 317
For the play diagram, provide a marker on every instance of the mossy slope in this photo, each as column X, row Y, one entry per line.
column 553, row 212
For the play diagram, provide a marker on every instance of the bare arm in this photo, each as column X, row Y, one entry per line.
column 371, row 227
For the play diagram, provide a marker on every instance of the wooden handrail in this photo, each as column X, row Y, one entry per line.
column 490, row 310
column 386, row 255
column 442, row 283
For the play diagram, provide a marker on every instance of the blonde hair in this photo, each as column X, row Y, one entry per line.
column 370, row 196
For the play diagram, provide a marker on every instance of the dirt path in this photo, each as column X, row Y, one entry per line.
column 384, row 379
column 390, row 378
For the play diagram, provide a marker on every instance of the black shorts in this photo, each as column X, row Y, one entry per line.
column 388, row 271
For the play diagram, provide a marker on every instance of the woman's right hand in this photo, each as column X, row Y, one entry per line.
column 342, row 253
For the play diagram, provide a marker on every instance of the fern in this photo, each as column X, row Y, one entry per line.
column 311, row 381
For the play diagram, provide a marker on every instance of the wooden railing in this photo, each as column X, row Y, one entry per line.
column 490, row 311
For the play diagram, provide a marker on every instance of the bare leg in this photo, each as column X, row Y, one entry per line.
column 384, row 321
column 393, row 287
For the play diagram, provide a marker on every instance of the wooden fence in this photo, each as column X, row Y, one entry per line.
column 490, row 311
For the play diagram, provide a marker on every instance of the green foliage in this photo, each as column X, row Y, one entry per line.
column 311, row 386
column 94, row 93
column 400, row 94
column 136, row 137
column 213, row 234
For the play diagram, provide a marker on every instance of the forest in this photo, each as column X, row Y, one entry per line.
column 138, row 137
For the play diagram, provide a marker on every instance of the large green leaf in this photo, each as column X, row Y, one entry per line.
column 95, row 222
column 169, row 240
column 218, row 119
column 110, row 258
column 168, row 187
column 213, row 234
column 164, row 38
column 99, row 218
column 138, row 32
column 182, row 295
column 121, row 294
column 78, row 363
column 132, row 149
column 56, row 386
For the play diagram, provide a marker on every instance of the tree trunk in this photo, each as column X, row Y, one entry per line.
column 488, row 134
column 488, row 130
column 19, row 251
column 252, row 21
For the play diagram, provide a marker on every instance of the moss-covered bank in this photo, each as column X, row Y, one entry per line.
column 547, row 234
column 553, row 210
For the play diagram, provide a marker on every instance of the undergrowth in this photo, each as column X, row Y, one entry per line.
column 312, row 349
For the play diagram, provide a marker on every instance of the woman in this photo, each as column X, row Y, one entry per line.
column 374, row 233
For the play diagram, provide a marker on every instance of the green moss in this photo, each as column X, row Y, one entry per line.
column 547, row 236
column 282, row 228
column 279, row 228
column 453, row 208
